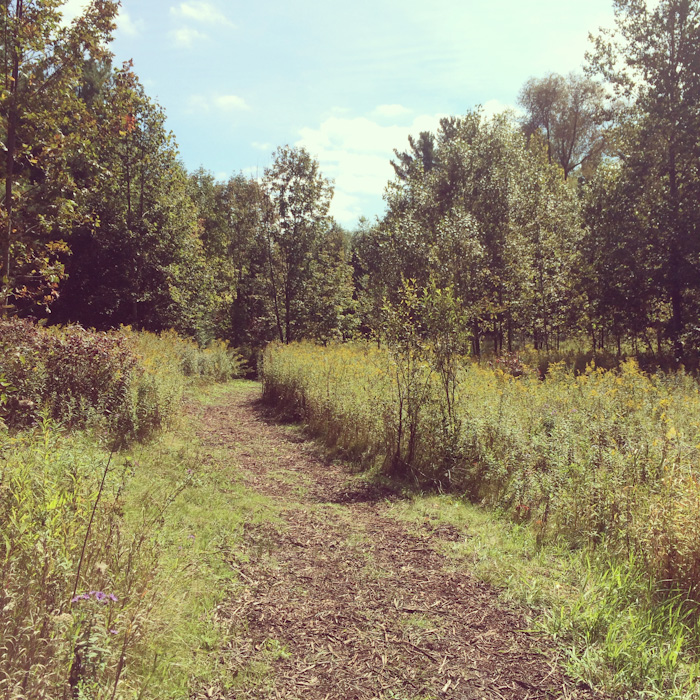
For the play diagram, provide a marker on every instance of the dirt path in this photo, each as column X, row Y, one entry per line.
column 344, row 602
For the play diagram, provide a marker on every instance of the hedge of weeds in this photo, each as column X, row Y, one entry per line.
column 128, row 383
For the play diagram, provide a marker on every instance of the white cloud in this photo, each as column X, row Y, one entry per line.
column 262, row 146
column 391, row 111
column 199, row 11
column 185, row 37
column 73, row 9
column 230, row 103
column 216, row 103
column 129, row 26
column 196, row 11
column 491, row 108
column 356, row 152
column 198, row 103
column 345, row 208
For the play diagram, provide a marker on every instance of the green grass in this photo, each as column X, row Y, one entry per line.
column 200, row 543
column 211, row 394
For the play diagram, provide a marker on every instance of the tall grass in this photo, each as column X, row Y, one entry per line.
column 75, row 580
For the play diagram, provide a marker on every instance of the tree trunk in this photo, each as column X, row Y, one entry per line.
column 12, row 123
column 510, row 334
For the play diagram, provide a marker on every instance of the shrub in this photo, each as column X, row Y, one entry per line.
column 73, row 375
column 127, row 382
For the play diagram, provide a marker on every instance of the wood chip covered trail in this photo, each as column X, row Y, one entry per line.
column 341, row 601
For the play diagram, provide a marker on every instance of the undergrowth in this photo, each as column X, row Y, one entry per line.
column 76, row 580
column 110, row 556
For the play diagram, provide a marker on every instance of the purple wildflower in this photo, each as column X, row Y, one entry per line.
column 100, row 597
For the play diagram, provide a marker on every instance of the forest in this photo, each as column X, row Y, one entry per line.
column 573, row 223
column 517, row 335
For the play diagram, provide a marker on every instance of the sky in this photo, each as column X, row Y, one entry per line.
column 347, row 80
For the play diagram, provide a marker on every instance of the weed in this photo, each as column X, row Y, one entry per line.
column 110, row 565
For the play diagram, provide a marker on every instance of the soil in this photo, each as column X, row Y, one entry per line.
column 339, row 600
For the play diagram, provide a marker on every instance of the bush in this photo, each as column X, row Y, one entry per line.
column 129, row 383
column 73, row 375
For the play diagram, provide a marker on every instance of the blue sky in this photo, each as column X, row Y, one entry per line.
column 347, row 80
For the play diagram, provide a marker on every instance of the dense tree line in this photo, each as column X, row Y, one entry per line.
column 578, row 220
column 102, row 224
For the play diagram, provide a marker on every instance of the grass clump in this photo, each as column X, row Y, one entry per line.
column 217, row 362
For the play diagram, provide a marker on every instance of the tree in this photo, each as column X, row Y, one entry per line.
column 652, row 59
column 42, row 121
column 231, row 215
column 421, row 150
column 619, row 270
column 329, row 304
column 140, row 258
column 293, row 231
column 492, row 222
column 368, row 256
column 568, row 114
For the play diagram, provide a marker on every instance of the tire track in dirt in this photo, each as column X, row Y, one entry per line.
column 344, row 602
